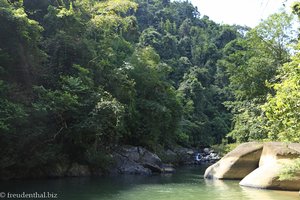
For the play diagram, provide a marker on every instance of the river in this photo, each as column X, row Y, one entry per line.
column 186, row 184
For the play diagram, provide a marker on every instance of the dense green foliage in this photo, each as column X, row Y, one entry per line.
column 264, row 81
column 79, row 77
column 282, row 109
column 253, row 63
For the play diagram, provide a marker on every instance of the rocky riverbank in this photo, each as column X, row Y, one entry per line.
column 123, row 160
column 138, row 160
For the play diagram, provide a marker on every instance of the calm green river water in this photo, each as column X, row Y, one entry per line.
column 186, row 184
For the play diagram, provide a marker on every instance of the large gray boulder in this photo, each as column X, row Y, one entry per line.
column 236, row 164
column 275, row 157
column 128, row 166
column 136, row 160
column 150, row 160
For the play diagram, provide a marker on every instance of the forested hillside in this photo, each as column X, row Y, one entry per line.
column 80, row 77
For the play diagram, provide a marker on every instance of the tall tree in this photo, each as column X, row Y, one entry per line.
column 282, row 108
column 252, row 62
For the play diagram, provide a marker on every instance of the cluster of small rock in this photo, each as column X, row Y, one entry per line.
column 206, row 156
column 187, row 156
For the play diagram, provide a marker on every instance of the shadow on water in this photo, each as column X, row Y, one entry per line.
column 187, row 183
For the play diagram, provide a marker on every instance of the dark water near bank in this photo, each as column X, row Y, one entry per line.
column 186, row 184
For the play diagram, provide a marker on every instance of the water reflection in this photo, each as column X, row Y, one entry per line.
column 219, row 184
column 225, row 190
column 186, row 184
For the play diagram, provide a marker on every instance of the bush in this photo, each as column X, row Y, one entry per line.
column 290, row 171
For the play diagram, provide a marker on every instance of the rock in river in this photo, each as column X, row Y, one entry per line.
column 136, row 160
column 237, row 163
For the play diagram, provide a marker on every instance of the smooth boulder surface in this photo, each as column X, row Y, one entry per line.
column 275, row 157
column 236, row 164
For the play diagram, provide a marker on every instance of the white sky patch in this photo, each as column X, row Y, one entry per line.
column 241, row 12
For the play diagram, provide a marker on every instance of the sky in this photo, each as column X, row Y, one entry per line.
column 241, row 12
